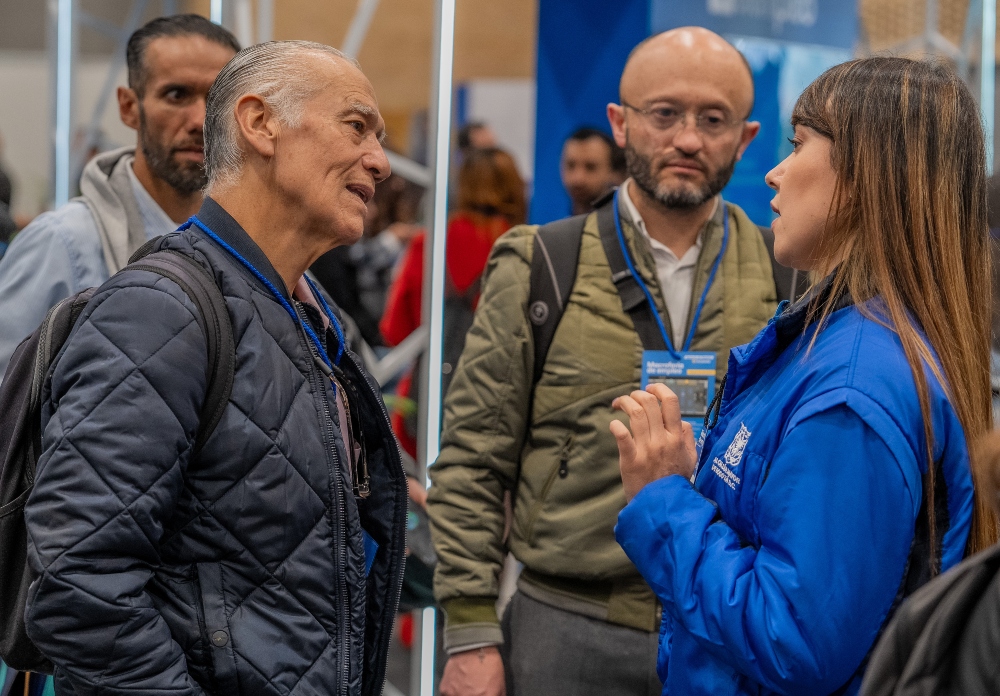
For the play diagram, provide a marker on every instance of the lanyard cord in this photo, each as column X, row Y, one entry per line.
column 649, row 295
column 333, row 320
column 278, row 296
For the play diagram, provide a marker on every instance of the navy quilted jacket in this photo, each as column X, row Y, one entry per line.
column 241, row 570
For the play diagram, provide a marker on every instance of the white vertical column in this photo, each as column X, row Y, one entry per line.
column 242, row 19
column 440, row 123
column 215, row 11
column 265, row 20
column 63, row 111
column 434, row 281
column 987, row 77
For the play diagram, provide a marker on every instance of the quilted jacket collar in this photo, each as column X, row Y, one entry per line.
column 215, row 217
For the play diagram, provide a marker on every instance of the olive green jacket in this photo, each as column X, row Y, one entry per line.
column 553, row 449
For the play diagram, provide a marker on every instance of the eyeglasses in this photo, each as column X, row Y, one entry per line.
column 711, row 123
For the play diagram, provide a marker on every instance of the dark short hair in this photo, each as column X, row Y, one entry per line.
column 465, row 133
column 175, row 25
column 616, row 154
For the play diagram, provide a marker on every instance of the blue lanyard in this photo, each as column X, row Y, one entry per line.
column 280, row 298
column 649, row 296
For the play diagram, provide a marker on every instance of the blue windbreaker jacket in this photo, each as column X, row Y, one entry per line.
column 778, row 568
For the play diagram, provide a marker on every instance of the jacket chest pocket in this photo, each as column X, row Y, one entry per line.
column 733, row 486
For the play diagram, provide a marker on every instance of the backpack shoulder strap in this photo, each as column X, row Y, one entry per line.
column 554, row 260
column 213, row 316
column 633, row 299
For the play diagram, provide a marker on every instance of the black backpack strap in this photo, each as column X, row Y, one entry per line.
column 213, row 316
column 553, row 272
column 789, row 284
column 633, row 299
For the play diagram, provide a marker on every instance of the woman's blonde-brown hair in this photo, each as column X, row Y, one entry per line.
column 490, row 188
column 909, row 209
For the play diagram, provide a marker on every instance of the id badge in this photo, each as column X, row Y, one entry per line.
column 690, row 375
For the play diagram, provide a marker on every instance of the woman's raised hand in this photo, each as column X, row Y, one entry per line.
column 660, row 444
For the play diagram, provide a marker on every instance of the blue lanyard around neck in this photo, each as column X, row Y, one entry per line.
column 649, row 296
column 281, row 299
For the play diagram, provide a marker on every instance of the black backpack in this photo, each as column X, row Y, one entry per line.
column 20, row 424
column 944, row 639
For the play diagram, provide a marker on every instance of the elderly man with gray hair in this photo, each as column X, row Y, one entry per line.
column 266, row 559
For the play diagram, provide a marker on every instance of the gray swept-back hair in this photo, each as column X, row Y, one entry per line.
column 276, row 72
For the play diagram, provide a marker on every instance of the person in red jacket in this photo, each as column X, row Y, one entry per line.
column 491, row 200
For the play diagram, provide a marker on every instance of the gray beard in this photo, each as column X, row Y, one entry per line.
column 640, row 168
column 185, row 179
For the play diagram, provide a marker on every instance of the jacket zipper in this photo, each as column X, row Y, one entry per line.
column 389, row 438
column 536, row 510
column 340, row 536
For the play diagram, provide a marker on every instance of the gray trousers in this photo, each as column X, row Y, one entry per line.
column 551, row 652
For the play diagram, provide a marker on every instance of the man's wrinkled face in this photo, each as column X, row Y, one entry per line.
column 586, row 170
column 329, row 164
column 171, row 107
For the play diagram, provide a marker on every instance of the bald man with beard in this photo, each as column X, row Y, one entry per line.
column 583, row 621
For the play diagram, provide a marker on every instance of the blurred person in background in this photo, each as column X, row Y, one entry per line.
column 591, row 164
column 491, row 200
column 993, row 216
column 7, row 228
column 358, row 277
column 834, row 477
column 475, row 135
column 130, row 195
column 6, row 187
column 377, row 255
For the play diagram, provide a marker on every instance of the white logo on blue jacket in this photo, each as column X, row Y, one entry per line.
column 734, row 454
column 723, row 468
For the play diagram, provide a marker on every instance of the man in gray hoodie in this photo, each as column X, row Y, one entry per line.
column 129, row 195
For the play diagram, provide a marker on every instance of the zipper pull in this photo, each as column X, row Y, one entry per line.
column 564, row 459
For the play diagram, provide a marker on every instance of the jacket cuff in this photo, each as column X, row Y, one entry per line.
column 471, row 622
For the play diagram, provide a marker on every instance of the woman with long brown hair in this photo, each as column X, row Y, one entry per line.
column 835, row 477
column 491, row 200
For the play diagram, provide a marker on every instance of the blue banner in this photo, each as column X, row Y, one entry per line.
column 582, row 47
column 821, row 22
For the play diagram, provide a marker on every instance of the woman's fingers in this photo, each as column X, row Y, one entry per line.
column 636, row 414
column 651, row 408
column 670, row 406
column 660, row 443
column 626, row 445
